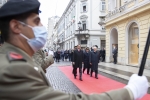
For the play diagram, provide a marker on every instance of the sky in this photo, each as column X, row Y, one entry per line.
column 51, row 8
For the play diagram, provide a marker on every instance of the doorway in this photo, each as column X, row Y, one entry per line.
column 133, row 44
column 113, row 41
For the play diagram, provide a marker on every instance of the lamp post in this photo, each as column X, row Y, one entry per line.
column 79, row 26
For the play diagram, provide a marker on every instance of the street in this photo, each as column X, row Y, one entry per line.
column 61, row 82
column 58, row 80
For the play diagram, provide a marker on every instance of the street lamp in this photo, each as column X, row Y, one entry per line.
column 79, row 26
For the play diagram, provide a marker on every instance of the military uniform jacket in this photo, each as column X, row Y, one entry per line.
column 42, row 60
column 21, row 80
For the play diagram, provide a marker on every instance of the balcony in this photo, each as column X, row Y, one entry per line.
column 102, row 20
column 126, row 8
column 82, row 32
column 102, row 23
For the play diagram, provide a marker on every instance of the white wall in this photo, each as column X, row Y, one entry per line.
column 95, row 40
column 95, row 13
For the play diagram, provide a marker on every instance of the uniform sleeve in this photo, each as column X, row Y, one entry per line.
column 121, row 94
column 38, row 59
column 20, row 81
column 42, row 61
column 48, row 61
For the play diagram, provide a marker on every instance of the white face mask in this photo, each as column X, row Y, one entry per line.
column 40, row 34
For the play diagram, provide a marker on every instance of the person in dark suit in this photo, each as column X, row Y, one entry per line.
column 94, row 60
column 57, row 55
column 115, row 52
column 100, row 51
column 87, row 65
column 78, row 61
column 75, row 47
column 66, row 54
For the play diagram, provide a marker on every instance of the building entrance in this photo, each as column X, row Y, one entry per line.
column 133, row 44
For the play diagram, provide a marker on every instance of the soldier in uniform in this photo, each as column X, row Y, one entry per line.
column 20, row 79
column 42, row 60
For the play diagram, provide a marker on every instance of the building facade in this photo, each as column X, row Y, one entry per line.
column 90, row 33
column 50, row 28
column 127, row 26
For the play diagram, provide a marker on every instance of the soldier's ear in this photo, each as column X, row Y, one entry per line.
column 14, row 27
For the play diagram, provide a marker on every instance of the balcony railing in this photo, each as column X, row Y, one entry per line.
column 82, row 32
column 128, row 6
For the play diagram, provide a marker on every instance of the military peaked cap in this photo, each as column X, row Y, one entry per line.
column 17, row 7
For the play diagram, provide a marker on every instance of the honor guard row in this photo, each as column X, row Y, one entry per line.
column 20, row 78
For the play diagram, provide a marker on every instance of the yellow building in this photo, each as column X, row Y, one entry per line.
column 127, row 25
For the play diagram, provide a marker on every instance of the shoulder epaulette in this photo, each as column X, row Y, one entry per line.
column 13, row 56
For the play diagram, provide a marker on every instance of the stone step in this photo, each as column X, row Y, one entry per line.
column 116, row 74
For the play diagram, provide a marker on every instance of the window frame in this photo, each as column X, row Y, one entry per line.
column 102, row 6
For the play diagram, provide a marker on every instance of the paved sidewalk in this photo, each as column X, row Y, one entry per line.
column 121, row 71
column 59, row 80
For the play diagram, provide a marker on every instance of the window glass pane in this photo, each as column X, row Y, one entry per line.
column 84, row 25
column 83, row 41
column 103, row 6
column 84, row 8
column 103, row 2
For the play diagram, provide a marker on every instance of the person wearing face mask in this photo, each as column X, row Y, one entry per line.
column 21, row 79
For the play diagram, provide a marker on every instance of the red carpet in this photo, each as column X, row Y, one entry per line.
column 91, row 85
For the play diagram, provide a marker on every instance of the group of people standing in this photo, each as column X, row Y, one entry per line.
column 63, row 55
column 87, row 59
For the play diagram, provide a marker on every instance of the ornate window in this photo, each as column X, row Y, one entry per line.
column 84, row 7
column 84, row 22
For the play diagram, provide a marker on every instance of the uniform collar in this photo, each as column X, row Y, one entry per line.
column 7, row 47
